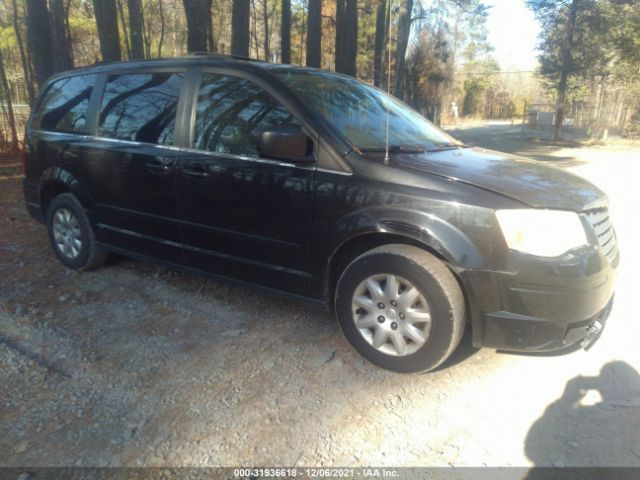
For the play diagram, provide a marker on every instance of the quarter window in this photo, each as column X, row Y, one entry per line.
column 141, row 107
column 64, row 106
column 231, row 113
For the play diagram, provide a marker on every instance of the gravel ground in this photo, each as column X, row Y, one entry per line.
column 136, row 365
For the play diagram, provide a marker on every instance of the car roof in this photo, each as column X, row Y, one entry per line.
column 197, row 59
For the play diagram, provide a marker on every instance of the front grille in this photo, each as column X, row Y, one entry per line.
column 602, row 226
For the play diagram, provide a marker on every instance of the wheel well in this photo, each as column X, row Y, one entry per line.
column 49, row 192
column 357, row 246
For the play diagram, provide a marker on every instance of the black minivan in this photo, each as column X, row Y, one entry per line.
column 323, row 189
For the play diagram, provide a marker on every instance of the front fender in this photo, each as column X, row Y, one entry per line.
column 437, row 233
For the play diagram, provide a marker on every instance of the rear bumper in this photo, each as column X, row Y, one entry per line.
column 542, row 305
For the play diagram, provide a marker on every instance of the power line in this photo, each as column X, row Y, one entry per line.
column 495, row 72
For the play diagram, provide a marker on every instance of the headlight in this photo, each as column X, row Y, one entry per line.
column 545, row 233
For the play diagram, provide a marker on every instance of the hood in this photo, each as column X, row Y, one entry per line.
column 528, row 181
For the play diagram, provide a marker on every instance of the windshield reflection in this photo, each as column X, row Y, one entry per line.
column 359, row 112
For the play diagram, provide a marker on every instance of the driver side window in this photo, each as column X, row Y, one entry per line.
column 232, row 112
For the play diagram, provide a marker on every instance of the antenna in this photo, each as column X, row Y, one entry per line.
column 386, row 150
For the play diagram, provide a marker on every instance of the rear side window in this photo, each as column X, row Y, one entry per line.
column 64, row 105
column 141, row 107
column 231, row 113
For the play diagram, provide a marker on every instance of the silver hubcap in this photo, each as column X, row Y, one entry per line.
column 66, row 233
column 391, row 314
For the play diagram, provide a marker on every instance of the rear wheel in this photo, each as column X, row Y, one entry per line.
column 71, row 235
column 401, row 308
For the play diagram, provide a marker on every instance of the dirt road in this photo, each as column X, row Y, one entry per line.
column 137, row 365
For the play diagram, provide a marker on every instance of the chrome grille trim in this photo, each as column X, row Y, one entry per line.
column 603, row 228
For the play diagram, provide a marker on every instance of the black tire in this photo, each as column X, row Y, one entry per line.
column 436, row 284
column 90, row 255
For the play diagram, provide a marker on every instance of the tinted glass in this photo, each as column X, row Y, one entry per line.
column 232, row 112
column 359, row 111
column 64, row 106
column 141, row 107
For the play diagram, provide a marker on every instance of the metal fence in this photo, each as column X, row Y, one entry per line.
column 538, row 120
column 581, row 119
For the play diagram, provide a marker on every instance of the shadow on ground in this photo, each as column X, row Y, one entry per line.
column 593, row 415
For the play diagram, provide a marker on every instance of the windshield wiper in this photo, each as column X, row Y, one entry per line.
column 396, row 149
column 393, row 149
column 447, row 146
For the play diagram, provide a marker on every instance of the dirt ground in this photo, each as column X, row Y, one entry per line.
column 135, row 365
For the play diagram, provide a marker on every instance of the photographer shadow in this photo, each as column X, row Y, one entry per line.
column 596, row 423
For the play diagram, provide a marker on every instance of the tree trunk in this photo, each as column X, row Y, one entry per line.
column 39, row 39
column 107, row 22
column 198, row 14
column 254, row 44
column 380, row 43
column 240, row 20
column 147, row 32
column 67, row 26
column 341, row 26
column 314, row 34
column 566, row 69
column 123, row 24
column 7, row 99
column 163, row 27
column 285, row 32
column 136, row 23
column 60, row 43
column 303, row 37
column 404, row 30
column 210, row 37
column 26, row 65
column 265, row 17
column 351, row 38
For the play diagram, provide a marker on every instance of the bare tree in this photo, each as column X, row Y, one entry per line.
column 198, row 14
column 163, row 28
column 123, row 24
column 404, row 30
column 9, row 104
column 136, row 27
column 314, row 34
column 26, row 64
column 39, row 39
column 285, row 32
column 240, row 21
column 107, row 22
column 62, row 59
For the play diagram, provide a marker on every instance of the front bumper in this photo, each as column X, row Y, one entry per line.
column 542, row 305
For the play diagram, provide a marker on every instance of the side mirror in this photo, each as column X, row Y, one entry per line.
column 285, row 143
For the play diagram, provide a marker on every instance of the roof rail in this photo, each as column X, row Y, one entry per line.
column 222, row 55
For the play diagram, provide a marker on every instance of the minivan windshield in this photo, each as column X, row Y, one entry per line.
column 359, row 112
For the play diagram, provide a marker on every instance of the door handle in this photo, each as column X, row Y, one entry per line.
column 195, row 170
column 160, row 165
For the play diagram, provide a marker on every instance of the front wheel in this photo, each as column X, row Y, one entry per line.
column 401, row 308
